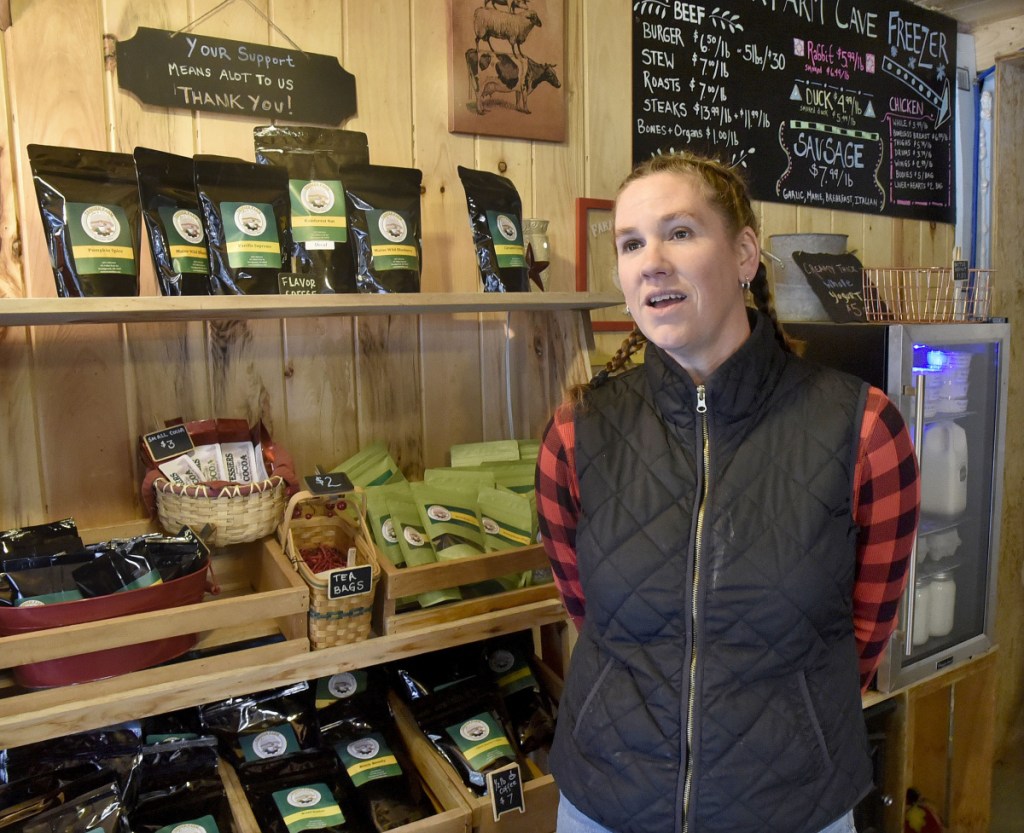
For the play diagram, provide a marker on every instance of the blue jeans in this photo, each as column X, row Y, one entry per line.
column 571, row 820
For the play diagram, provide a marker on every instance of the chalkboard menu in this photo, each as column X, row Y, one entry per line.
column 831, row 103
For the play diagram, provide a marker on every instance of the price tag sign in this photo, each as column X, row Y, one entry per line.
column 353, row 581
column 505, row 787
column 331, row 483
column 168, row 443
column 291, row 284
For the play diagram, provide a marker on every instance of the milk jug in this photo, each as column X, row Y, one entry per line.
column 944, row 469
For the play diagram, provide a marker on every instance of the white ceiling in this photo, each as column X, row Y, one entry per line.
column 973, row 13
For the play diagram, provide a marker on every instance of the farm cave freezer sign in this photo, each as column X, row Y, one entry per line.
column 842, row 104
column 185, row 71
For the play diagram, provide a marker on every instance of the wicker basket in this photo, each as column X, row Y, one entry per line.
column 238, row 513
column 331, row 621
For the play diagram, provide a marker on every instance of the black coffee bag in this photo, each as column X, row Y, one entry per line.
column 245, row 218
column 496, row 217
column 383, row 205
column 319, row 224
column 89, row 203
column 175, row 229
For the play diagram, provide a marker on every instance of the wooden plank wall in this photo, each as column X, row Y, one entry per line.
column 76, row 397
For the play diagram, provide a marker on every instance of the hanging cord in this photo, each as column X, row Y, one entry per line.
column 222, row 5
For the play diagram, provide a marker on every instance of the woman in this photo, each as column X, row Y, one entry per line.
column 729, row 527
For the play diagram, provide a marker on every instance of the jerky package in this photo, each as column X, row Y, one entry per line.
column 383, row 205
column 169, row 207
column 496, row 217
column 319, row 225
column 245, row 218
column 267, row 724
column 89, row 202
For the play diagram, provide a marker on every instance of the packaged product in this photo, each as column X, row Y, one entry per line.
column 245, row 219
column 451, row 519
column 98, row 811
column 89, row 202
column 27, row 797
column 114, row 572
column 509, row 660
column 173, row 223
column 383, row 205
column 371, row 466
column 496, row 217
column 414, row 542
column 319, row 224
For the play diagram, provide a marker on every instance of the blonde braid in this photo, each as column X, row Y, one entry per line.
column 762, row 295
column 630, row 345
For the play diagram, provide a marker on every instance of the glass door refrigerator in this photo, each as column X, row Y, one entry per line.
column 950, row 383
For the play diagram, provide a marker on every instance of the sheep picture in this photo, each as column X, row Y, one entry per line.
column 511, row 5
column 514, row 28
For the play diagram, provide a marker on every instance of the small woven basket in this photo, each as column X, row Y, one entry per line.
column 238, row 513
column 331, row 621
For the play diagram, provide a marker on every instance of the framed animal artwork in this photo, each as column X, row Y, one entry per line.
column 506, row 67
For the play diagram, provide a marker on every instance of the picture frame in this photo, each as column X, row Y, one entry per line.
column 506, row 68
column 596, row 262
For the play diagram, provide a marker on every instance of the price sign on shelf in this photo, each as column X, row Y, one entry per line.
column 168, row 443
column 329, row 483
column 505, row 787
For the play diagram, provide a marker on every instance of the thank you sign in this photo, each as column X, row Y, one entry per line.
column 195, row 72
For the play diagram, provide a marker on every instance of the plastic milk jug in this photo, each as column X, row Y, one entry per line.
column 944, row 469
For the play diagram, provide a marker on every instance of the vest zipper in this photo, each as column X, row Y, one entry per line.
column 702, row 409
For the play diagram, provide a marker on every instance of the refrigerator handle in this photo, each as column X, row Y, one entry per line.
column 918, row 392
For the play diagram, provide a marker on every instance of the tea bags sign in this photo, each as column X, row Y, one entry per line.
column 183, row 70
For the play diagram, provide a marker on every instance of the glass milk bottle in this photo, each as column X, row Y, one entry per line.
column 941, row 604
column 922, row 611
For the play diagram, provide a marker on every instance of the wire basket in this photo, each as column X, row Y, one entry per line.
column 331, row 621
column 926, row 295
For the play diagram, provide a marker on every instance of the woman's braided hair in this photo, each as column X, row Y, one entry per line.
column 726, row 190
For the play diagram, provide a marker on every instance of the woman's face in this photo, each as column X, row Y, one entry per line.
column 681, row 270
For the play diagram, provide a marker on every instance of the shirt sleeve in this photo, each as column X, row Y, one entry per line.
column 558, row 508
column 886, row 505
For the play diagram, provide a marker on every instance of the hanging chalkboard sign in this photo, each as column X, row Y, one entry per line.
column 826, row 103
column 168, row 442
column 837, row 281
column 195, row 72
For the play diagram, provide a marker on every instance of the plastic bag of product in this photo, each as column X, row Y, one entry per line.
column 496, row 217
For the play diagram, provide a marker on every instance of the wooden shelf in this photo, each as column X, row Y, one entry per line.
column 48, row 713
column 17, row 312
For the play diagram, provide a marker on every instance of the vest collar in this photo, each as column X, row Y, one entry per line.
column 736, row 389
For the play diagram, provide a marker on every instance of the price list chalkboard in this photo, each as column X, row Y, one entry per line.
column 831, row 103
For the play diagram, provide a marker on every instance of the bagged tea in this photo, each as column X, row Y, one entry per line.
column 89, row 202
column 169, row 207
column 475, row 454
column 319, row 224
column 245, row 218
column 496, row 217
column 371, row 466
column 451, row 519
column 383, row 205
column 415, row 544
column 382, row 525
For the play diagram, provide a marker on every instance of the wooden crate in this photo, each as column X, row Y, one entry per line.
column 540, row 794
column 400, row 582
column 260, row 595
column 452, row 815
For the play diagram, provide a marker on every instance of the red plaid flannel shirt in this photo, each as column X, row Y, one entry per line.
column 886, row 500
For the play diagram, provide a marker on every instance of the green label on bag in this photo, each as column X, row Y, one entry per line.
column 505, row 534
column 50, row 598
column 513, row 672
column 368, row 759
column 391, row 240
column 318, row 212
column 250, row 235
column 330, row 690
column 481, row 740
column 309, row 807
column 270, row 743
column 508, row 239
column 186, row 243
column 203, row 824
column 101, row 239
column 147, row 579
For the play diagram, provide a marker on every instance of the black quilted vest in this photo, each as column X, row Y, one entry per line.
column 777, row 741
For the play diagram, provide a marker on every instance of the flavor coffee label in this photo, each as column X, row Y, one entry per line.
column 508, row 239
column 481, row 740
column 368, row 759
column 513, row 672
column 101, row 239
column 391, row 240
column 308, row 807
column 186, row 243
column 318, row 212
column 250, row 235
column 203, row 824
column 330, row 690
column 270, row 743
